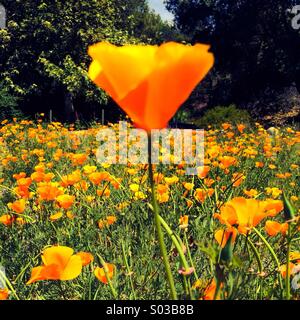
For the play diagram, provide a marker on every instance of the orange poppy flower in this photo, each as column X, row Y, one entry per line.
column 6, row 219
column 273, row 207
column 86, row 258
column 227, row 161
column 97, row 177
column 48, row 191
column 105, row 192
column 71, row 179
column 59, row 264
column 65, row 201
column 20, row 175
column 245, row 213
column 259, row 164
column 100, row 274
column 201, row 194
column 56, row 216
column 237, row 179
column 188, row 186
column 282, row 269
column 22, row 190
column 252, row 193
column 222, row 236
column 203, row 171
column 226, row 125
column 111, row 220
column 17, row 206
column 78, row 159
column 4, row 293
column 295, row 255
column 149, row 82
column 273, row 228
column 241, row 128
column 101, row 224
column 183, row 222
column 209, row 292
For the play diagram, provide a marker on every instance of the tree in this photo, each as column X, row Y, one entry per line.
column 255, row 46
column 43, row 51
column 144, row 24
column 8, row 104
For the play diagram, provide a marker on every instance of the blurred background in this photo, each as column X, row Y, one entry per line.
column 44, row 61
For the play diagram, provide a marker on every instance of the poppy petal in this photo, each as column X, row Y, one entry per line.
column 58, row 255
column 120, row 65
column 72, row 269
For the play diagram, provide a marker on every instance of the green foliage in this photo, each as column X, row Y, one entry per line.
column 8, row 104
column 43, row 50
column 219, row 115
column 255, row 46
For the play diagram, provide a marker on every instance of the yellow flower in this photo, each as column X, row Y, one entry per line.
column 183, row 222
column 188, row 186
column 274, row 192
column 56, row 216
column 171, row 180
column 65, row 201
column 100, row 273
column 252, row 193
column 134, row 187
column 89, row 169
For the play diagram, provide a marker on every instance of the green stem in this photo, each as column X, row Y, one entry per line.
column 113, row 291
column 259, row 262
column 257, row 256
column 162, row 245
column 9, row 285
column 128, row 271
column 273, row 255
column 176, row 243
column 218, row 288
column 288, row 271
column 190, row 256
column 179, row 245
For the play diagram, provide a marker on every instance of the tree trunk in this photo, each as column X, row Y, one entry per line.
column 69, row 109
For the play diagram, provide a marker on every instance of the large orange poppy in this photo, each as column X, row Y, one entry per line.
column 247, row 213
column 59, row 264
column 149, row 82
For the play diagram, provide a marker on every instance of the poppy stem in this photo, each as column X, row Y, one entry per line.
column 128, row 270
column 218, row 287
column 9, row 285
column 273, row 254
column 105, row 269
column 288, row 271
column 158, row 226
column 179, row 247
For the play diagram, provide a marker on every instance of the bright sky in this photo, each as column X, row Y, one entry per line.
column 159, row 7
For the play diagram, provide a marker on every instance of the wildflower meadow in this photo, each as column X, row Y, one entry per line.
column 149, row 150
column 73, row 228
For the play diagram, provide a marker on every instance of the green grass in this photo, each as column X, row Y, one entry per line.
column 133, row 235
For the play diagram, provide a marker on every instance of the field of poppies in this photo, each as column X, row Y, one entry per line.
column 74, row 228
